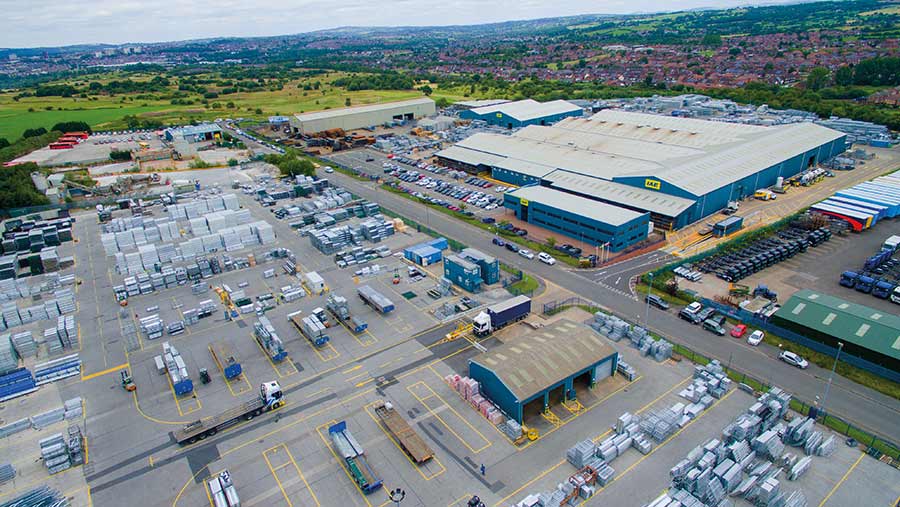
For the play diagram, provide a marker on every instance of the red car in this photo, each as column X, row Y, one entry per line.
column 739, row 330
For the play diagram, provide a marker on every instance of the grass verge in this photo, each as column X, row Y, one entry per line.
column 526, row 285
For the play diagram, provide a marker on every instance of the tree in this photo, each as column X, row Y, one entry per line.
column 230, row 105
column 711, row 39
column 843, row 76
column 426, row 90
column 442, row 102
column 72, row 126
column 3, row 142
column 120, row 155
column 347, row 102
column 551, row 241
column 34, row 132
column 817, row 78
column 232, row 162
column 258, row 111
column 290, row 164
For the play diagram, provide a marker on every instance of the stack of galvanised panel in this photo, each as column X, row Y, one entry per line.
column 57, row 369
column 73, row 408
column 9, row 361
column 627, row 370
column 75, row 445
column 7, row 473
column 24, row 344
column 11, row 315
column 49, row 259
column 581, row 452
column 44, row 419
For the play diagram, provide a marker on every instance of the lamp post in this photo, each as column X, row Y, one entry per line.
column 649, row 286
column 831, row 375
column 397, row 495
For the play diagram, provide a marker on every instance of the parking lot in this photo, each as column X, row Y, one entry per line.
column 95, row 148
column 287, row 457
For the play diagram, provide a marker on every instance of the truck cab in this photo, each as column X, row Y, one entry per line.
column 271, row 395
column 865, row 284
column 849, row 279
column 895, row 296
column 882, row 289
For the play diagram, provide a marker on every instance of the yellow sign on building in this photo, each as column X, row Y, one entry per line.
column 650, row 183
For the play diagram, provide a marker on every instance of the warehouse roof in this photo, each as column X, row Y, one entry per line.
column 532, row 362
column 194, row 130
column 849, row 322
column 368, row 108
column 654, row 202
column 529, row 109
column 480, row 103
column 581, row 206
column 697, row 156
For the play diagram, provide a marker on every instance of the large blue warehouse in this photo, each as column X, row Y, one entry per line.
column 528, row 368
column 679, row 170
column 523, row 112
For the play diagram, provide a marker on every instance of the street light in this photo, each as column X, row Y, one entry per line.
column 649, row 286
column 833, row 366
column 397, row 495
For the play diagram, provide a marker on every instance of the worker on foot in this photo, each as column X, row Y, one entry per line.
column 482, row 469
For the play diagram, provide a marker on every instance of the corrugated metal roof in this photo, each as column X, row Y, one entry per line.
column 531, row 362
column 529, row 109
column 718, row 169
column 577, row 205
column 194, row 130
column 368, row 108
column 848, row 322
column 654, row 202
column 480, row 103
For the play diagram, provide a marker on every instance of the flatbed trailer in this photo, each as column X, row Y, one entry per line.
column 310, row 328
column 354, row 458
column 406, row 436
column 223, row 355
column 269, row 398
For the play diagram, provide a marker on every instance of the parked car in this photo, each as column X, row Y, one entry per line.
column 755, row 337
column 329, row 170
column 738, row 330
column 512, row 247
column 691, row 313
column 656, row 301
column 526, row 253
column 498, row 242
column 705, row 314
column 546, row 258
column 793, row 359
column 715, row 326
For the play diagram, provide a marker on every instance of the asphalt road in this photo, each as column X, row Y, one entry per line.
column 866, row 408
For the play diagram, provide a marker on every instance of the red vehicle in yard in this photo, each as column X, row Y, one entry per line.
column 738, row 330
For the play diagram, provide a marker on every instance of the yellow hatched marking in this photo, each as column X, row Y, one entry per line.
column 433, row 408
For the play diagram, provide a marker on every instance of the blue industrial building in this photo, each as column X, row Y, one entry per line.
column 463, row 273
column 577, row 217
column 427, row 253
column 488, row 265
column 194, row 133
column 522, row 113
column 679, row 170
column 527, row 373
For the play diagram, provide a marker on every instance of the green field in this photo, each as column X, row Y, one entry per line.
column 104, row 112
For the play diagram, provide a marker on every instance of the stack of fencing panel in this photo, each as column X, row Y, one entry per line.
column 24, row 344
column 15, row 383
column 49, row 259
column 7, row 473
column 511, row 428
column 73, row 408
column 75, row 445
column 660, row 424
column 44, row 419
column 9, row 360
column 581, row 452
column 57, row 369
column 42, row 496
column 610, row 326
column 152, row 326
column 626, row 370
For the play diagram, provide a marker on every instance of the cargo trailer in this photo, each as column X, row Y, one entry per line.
column 354, row 458
column 407, row 438
column 269, row 398
column 375, row 299
column 501, row 314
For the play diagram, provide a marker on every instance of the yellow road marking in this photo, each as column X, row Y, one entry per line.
column 433, row 412
column 844, row 478
column 348, row 370
column 104, row 372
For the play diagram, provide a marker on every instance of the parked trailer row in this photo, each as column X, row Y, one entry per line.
column 375, row 299
column 354, row 458
column 268, row 339
column 310, row 328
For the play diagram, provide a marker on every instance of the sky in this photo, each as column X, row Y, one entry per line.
column 48, row 23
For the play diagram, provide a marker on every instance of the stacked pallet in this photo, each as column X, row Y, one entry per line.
column 9, row 361
column 24, row 344
column 7, row 473
column 469, row 389
column 44, row 419
column 62, row 452
column 42, row 496
column 74, row 408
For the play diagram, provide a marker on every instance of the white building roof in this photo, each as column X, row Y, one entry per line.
column 528, row 109
column 697, row 156
column 577, row 205
column 368, row 108
column 654, row 202
column 481, row 103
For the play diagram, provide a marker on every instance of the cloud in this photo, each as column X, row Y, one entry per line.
column 63, row 22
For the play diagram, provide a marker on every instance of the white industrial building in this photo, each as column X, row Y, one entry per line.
column 351, row 118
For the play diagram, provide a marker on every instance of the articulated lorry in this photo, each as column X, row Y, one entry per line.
column 310, row 327
column 268, row 339
column 340, row 308
column 501, row 314
column 375, row 299
column 354, row 457
column 270, row 397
